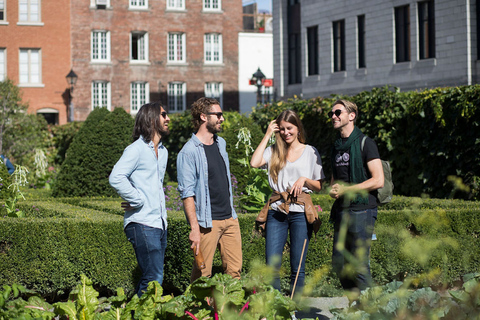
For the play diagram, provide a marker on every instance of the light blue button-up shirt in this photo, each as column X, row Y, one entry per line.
column 192, row 176
column 138, row 179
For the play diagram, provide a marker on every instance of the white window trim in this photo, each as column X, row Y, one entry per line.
column 29, row 22
column 99, row 60
column 4, row 20
column 147, row 96
column 176, row 8
column 138, row 61
column 137, row 7
column 210, row 9
column 220, row 49
column 93, row 4
column 3, row 66
column 109, row 94
column 220, row 90
column 184, row 97
column 184, row 50
column 38, row 84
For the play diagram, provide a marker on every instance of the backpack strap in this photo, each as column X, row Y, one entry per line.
column 363, row 142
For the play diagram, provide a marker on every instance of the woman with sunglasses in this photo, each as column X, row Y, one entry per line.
column 294, row 171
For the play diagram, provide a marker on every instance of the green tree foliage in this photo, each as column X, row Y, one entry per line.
column 62, row 138
column 93, row 153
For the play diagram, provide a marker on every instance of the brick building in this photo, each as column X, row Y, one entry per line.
column 325, row 47
column 35, row 53
column 124, row 52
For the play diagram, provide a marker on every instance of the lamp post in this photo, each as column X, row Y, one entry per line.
column 71, row 80
column 258, row 78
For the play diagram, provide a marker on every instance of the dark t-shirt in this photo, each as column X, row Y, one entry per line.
column 218, row 184
column 342, row 166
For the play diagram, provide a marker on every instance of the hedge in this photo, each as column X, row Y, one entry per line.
column 57, row 241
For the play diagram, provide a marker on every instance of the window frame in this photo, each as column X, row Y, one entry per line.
column 426, row 34
column 109, row 94
column 361, row 42
column 136, row 103
column 145, row 49
column 312, row 51
column 3, row 64
column 402, row 33
column 174, row 97
column 108, row 47
column 29, row 13
column 176, row 35
column 209, row 7
column 209, row 92
column 175, row 7
column 137, row 7
column 3, row 19
column 30, row 73
column 209, row 48
column 338, row 47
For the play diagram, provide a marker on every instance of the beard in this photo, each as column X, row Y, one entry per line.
column 212, row 127
column 163, row 132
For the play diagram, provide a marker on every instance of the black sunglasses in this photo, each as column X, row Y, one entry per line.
column 337, row 113
column 218, row 114
column 164, row 114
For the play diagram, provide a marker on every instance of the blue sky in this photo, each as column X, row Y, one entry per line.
column 261, row 4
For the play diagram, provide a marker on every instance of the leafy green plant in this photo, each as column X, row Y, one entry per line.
column 13, row 306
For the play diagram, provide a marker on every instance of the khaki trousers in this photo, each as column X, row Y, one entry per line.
column 224, row 234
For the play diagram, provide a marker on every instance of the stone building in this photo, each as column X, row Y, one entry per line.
column 331, row 46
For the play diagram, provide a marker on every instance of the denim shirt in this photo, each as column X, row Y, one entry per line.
column 138, row 179
column 192, row 176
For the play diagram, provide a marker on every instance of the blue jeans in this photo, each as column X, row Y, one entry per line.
column 356, row 228
column 149, row 245
column 277, row 228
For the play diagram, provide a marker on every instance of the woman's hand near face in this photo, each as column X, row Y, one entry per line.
column 272, row 128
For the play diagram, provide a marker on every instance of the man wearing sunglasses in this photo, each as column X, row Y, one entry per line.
column 357, row 174
column 203, row 173
column 138, row 179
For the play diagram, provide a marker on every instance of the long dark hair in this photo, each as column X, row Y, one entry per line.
column 147, row 121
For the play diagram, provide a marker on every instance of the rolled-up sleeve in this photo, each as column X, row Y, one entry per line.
column 120, row 178
column 186, row 175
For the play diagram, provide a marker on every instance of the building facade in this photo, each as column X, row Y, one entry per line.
column 35, row 53
column 125, row 53
column 130, row 52
column 345, row 47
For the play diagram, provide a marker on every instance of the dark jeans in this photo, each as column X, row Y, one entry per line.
column 353, row 231
column 277, row 228
column 149, row 245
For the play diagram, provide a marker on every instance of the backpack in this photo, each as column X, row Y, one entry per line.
column 385, row 194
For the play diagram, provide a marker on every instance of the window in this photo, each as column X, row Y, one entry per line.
column 3, row 64
column 213, row 48
column 214, row 90
column 101, row 46
column 138, row 4
column 139, row 47
column 139, row 95
column 402, row 34
column 312, row 50
column 175, row 4
column 426, row 28
column 29, row 10
column 30, row 67
column 339, row 46
column 176, row 96
column 212, row 5
column 100, row 94
column 3, row 16
column 294, row 42
column 361, row 41
column 101, row 4
column 176, row 47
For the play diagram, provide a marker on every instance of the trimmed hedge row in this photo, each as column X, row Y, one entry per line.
column 49, row 249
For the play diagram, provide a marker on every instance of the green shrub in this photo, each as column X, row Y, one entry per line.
column 62, row 138
column 94, row 151
column 5, row 182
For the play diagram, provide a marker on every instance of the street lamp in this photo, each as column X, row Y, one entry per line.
column 71, row 80
column 257, row 78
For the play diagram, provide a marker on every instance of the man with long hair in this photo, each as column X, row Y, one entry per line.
column 138, row 179
column 205, row 186
column 357, row 174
